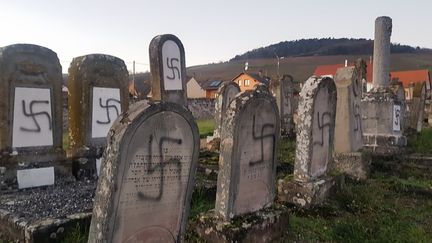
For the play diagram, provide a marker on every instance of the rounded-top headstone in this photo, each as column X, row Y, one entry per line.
column 31, row 104
column 315, row 131
column 147, row 177
column 249, row 135
column 98, row 93
column 226, row 94
column 168, row 69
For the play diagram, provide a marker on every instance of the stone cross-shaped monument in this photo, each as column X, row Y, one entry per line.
column 31, row 114
column 315, row 136
column 382, row 111
column 168, row 69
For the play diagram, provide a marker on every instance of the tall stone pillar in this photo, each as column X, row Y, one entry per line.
column 383, row 111
column 381, row 55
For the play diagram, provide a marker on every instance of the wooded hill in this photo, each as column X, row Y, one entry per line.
column 321, row 47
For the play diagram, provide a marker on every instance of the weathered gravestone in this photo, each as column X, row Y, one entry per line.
column 283, row 90
column 383, row 111
column 247, row 170
column 315, row 135
column 348, row 125
column 168, row 69
column 98, row 93
column 147, row 177
column 417, row 107
column 226, row 94
column 31, row 114
column 398, row 90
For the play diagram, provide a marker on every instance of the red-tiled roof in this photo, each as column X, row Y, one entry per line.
column 331, row 70
column 411, row 76
column 327, row 69
column 404, row 76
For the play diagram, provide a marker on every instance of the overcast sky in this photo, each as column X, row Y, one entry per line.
column 211, row 31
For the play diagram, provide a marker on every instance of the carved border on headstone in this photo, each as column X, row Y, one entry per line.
column 115, row 164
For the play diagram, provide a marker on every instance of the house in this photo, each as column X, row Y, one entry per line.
column 247, row 81
column 194, row 89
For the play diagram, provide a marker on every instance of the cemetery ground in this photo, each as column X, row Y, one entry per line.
column 393, row 205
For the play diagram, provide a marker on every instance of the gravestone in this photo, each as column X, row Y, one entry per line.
column 31, row 114
column 283, row 91
column 247, row 172
column 383, row 112
column 98, row 93
column 147, row 177
column 247, row 164
column 315, row 135
column 348, row 125
column 226, row 94
column 168, row 69
column 417, row 107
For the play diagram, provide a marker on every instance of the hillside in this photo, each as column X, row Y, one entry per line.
column 321, row 47
column 302, row 67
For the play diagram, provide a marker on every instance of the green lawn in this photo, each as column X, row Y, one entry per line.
column 206, row 127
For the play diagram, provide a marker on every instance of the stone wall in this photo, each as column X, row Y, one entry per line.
column 202, row 108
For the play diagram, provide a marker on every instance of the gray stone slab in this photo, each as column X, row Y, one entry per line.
column 98, row 93
column 147, row 177
column 315, row 131
column 249, row 136
column 30, row 108
column 348, row 126
column 417, row 107
column 283, row 90
column 168, row 69
column 226, row 94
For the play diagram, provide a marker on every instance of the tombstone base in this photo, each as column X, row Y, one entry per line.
column 9, row 180
column 355, row 165
column 263, row 226
column 384, row 144
column 305, row 194
column 46, row 214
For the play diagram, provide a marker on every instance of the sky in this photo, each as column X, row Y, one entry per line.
column 211, row 31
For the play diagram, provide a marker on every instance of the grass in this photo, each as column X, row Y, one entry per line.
column 78, row 234
column 421, row 143
column 373, row 211
column 393, row 205
column 206, row 127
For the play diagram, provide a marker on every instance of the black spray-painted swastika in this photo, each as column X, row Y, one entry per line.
column 322, row 126
column 33, row 115
column 170, row 64
column 109, row 104
column 160, row 166
column 261, row 138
